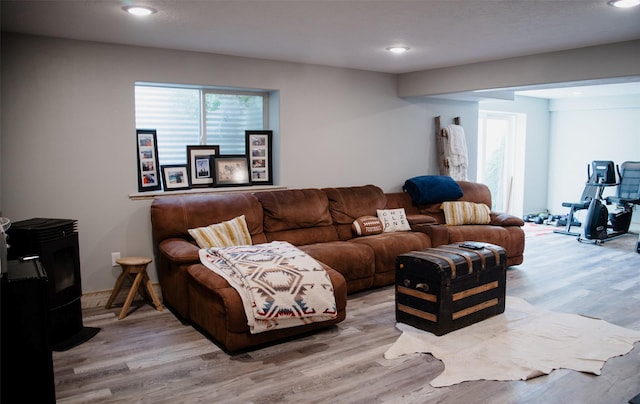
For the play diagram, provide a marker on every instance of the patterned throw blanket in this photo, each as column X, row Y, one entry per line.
column 280, row 285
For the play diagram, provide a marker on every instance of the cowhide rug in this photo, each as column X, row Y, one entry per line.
column 522, row 343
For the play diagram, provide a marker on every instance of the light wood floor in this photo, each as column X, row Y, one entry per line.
column 151, row 357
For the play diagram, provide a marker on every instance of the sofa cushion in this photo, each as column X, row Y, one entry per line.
column 356, row 262
column 460, row 212
column 511, row 238
column 393, row 220
column 216, row 308
column 367, row 225
column 232, row 232
column 304, row 236
column 346, row 204
column 294, row 209
column 475, row 192
column 401, row 200
column 387, row 246
column 421, row 219
column 432, row 189
column 173, row 216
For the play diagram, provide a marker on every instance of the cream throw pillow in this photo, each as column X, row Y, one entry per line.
column 225, row 234
column 393, row 220
column 460, row 212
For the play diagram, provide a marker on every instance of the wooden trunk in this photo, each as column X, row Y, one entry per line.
column 449, row 287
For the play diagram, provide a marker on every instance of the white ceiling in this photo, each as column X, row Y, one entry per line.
column 341, row 33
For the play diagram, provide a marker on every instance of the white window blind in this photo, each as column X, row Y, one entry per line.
column 176, row 115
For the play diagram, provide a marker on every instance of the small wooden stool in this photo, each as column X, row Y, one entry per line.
column 131, row 266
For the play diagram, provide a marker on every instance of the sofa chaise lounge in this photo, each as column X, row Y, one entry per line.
column 317, row 221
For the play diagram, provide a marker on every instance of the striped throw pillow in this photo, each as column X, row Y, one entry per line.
column 225, row 234
column 460, row 212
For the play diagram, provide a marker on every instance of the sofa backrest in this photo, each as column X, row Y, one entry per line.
column 471, row 192
column 397, row 200
column 173, row 216
column 475, row 192
column 299, row 216
column 346, row 204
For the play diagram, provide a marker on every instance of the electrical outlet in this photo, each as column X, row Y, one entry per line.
column 114, row 256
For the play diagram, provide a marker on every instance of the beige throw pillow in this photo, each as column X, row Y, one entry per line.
column 225, row 234
column 394, row 220
column 460, row 212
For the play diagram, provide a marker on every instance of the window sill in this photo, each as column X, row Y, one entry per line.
column 193, row 191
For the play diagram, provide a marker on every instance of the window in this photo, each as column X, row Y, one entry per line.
column 191, row 116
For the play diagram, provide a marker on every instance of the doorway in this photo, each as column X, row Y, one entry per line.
column 501, row 140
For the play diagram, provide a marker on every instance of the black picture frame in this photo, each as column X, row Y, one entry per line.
column 199, row 164
column 259, row 153
column 148, row 169
column 175, row 177
column 230, row 170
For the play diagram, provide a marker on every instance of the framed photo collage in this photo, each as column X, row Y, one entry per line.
column 205, row 166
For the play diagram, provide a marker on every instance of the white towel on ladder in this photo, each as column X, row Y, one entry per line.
column 455, row 152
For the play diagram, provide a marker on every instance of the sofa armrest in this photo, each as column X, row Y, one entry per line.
column 505, row 219
column 421, row 219
column 438, row 233
column 208, row 278
column 179, row 251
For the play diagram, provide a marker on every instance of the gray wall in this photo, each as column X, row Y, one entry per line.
column 68, row 133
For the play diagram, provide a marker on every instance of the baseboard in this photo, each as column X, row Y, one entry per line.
column 100, row 298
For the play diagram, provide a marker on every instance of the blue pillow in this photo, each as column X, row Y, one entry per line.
column 432, row 189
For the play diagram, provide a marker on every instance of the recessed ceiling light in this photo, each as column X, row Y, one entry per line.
column 140, row 11
column 624, row 3
column 398, row 49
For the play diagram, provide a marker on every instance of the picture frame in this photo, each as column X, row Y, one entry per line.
column 148, row 169
column 175, row 177
column 259, row 153
column 199, row 164
column 231, row 170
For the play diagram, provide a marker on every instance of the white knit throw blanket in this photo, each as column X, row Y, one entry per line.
column 280, row 285
column 456, row 153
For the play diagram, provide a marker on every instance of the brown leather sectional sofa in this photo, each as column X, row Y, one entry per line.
column 318, row 221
